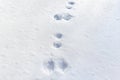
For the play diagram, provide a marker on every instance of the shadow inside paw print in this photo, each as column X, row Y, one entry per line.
column 59, row 35
column 71, row 3
column 62, row 64
column 57, row 44
column 67, row 16
column 50, row 65
column 57, row 16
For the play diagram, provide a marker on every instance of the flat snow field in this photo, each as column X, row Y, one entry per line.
column 59, row 39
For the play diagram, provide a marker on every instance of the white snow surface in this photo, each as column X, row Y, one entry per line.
column 90, row 43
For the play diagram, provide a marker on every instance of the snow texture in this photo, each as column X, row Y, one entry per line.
column 59, row 39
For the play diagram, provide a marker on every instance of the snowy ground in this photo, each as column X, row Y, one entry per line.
column 89, row 48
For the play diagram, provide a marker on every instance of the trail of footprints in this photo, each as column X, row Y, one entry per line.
column 53, row 64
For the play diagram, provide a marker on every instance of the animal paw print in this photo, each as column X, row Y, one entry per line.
column 57, row 44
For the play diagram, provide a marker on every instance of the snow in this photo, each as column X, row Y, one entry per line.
column 90, row 42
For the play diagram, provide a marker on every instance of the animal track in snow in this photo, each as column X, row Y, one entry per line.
column 57, row 16
column 62, row 64
column 59, row 35
column 50, row 65
column 67, row 16
column 57, row 44
column 71, row 2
